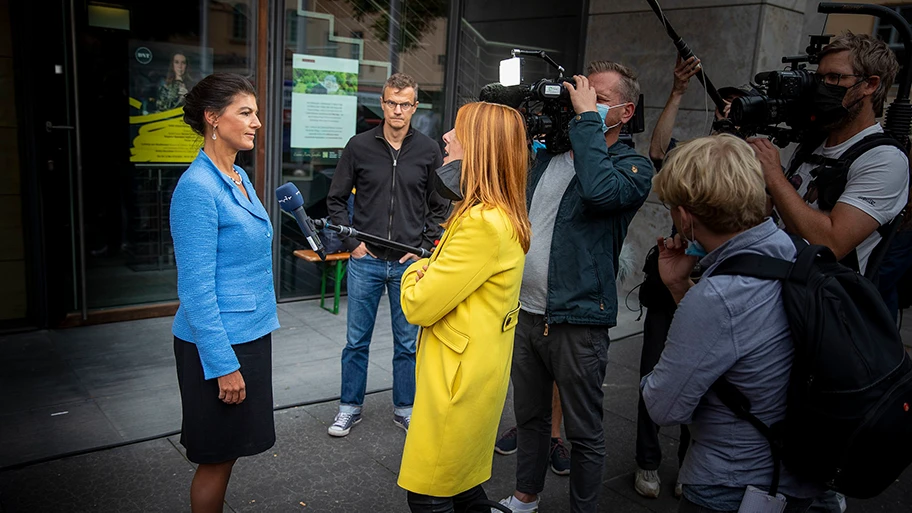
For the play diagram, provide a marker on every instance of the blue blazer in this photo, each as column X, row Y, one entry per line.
column 223, row 248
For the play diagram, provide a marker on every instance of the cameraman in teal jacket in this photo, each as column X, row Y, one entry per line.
column 611, row 183
column 580, row 204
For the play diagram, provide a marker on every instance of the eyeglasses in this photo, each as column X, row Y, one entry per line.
column 406, row 106
column 835, row 78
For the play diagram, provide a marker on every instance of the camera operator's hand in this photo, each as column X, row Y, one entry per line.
column 583, row 95
column 684, row 70
column 768, row 155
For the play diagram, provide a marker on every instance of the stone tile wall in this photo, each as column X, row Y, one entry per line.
column 735, row 39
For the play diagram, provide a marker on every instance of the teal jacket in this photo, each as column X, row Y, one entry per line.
column 609, row 187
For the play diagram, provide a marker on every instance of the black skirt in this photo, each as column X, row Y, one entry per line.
column 215, row 432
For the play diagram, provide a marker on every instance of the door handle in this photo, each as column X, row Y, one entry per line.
column 50, row 126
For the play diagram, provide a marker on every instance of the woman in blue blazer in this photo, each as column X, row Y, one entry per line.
column 223, row 246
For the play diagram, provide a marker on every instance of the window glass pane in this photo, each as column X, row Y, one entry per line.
column 338, row 54
column 132, row 81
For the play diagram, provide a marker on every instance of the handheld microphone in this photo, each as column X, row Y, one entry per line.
column 291, row 201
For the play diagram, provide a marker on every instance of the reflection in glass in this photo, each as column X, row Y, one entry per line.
column 345, row 49
column 132, row 84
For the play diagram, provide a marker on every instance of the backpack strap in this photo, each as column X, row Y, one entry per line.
column 804, row 152
column 867, row 144
column 755, row 266
column 832, row 176
column 740, row 405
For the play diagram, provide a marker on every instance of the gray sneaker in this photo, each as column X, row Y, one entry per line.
column 343, row 423
column 402, row 421
column 647, row 483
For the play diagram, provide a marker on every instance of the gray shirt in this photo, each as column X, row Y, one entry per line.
column 731, row 326
column 545, row 202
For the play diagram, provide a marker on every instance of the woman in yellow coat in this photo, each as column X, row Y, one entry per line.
column 466, row 299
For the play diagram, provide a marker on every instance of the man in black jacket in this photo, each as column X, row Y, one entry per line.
column 391, row 170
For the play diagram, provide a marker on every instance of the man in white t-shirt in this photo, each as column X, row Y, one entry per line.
column 854, row 75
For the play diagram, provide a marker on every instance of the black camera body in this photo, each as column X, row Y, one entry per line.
column 786, row 99
column 547, row 111
column 546, row 107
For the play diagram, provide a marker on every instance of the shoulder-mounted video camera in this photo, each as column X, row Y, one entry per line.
column 786, row 98
column 545, row 104
column 787, row 94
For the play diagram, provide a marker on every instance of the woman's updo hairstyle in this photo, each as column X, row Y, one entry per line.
column 213, row 93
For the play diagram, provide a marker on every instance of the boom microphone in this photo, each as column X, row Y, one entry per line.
column 511, row 96
column 291, row 201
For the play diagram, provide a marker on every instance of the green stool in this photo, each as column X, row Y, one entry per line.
column 336, row 263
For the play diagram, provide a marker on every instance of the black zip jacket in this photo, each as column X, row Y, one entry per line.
column 395, row 196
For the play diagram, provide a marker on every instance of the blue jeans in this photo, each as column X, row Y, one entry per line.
column 367, row 277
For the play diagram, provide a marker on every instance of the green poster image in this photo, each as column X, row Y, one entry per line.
column 317, row 81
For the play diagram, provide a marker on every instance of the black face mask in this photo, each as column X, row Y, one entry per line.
column 827, row 103
column 448, row 181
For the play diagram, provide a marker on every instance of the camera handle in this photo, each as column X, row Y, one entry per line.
column 686, row 53
column 348, row 231
column 541, row 55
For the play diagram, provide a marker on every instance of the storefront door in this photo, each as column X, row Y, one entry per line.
column 111, row 143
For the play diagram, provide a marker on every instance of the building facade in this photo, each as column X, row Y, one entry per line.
column 91, row 142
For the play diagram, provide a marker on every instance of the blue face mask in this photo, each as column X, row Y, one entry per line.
column 694, row 248
column 603, row 111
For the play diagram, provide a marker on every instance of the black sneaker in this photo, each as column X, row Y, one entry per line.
column 560, row 457
column 507, row 442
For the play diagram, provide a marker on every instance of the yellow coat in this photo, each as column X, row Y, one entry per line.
column 467, row 304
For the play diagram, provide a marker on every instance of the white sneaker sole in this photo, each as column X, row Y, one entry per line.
column 342, row 432
column 401, row 426
column 560, row 472
column 507, row 502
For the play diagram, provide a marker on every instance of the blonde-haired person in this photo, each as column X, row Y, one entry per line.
column 466, row 298
column 731, row 326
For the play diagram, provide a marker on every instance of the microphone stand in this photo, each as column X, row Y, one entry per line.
column 348, row 231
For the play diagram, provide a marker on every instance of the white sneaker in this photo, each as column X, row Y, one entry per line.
column 647, row 483
column 842, row 502
column 517, row 506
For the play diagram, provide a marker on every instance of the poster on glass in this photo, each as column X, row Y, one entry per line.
column 324, row 104
column 161, row 75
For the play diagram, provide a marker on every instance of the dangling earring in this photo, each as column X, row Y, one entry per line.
column 214, row 128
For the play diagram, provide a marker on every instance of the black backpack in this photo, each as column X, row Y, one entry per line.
column 848, row 423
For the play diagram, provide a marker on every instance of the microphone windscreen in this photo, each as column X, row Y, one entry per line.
column 511, row 96
column 289, row 197
column 491, row 92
